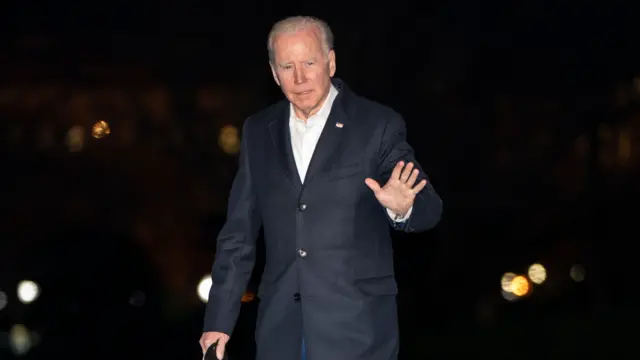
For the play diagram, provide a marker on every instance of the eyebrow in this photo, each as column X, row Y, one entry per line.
column 291, row 62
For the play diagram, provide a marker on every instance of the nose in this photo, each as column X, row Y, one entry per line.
column 300, row 76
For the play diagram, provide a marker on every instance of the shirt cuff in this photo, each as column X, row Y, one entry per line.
column 393, row 215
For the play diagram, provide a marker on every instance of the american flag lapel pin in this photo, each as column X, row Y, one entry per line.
column 339, row 125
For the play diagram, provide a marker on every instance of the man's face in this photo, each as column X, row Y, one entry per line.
column 303, row 70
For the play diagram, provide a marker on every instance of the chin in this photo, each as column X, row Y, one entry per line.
column 305, row 105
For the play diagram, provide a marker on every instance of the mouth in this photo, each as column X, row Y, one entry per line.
column 304, row 92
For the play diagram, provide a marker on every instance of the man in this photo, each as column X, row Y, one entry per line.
column 325, row 174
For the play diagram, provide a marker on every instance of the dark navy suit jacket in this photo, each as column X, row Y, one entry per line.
column 329, row 270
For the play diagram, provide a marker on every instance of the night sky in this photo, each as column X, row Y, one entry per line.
column 525, row 114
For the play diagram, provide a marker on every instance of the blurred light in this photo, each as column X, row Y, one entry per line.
column 636, row 84
column 137, row 299
column 229, row 139
column 537, row 274
column 248, row 297
column 28, row 291
column 624, row 147
column 20, row 339
column 520, row 286
column 100, row 129
column 4, row 299
column 507, row 278
column 75, row 138
column 577, row 273
column 203, row 288
column 509, row 296
column 506, row 284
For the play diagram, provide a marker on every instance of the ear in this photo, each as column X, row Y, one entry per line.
column 332, row 63
column 275, row 74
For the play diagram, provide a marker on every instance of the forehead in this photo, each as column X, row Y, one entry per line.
column 297, row 45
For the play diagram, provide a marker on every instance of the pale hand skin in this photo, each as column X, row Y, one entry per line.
column 210, row 338
column 398, row 193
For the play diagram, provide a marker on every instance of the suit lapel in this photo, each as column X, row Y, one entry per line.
column 281, row 137
column 330, row 137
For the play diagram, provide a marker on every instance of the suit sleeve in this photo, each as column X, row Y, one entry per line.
column 427, row 207
column 235, row 250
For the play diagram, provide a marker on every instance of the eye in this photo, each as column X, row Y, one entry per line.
column 286, row 67
column 309, row 63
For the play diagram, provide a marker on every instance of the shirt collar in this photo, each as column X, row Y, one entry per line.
column 324, row 111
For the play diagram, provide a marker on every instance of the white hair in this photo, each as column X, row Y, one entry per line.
column 296, row 23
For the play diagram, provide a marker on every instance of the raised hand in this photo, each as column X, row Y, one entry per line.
column 399, row 192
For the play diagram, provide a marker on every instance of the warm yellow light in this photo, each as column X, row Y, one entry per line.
column 20, row 340
column 520, row 286
column 624, row 147
column 75, row 138
column 229, row 139
column 100, row 129
column 537, row 274
column 506, row 280
column 248, row 297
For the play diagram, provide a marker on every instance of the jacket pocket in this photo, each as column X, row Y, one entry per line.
column 375, row 278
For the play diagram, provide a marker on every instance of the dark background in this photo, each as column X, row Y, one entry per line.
column 526, row 115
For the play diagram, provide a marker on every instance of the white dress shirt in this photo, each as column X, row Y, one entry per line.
column 305, row 136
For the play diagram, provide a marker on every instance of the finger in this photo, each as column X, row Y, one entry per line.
column 220, row 349
column 373, row 185
column 395, row 174
column 406, row 173
column 419, row 187
column 203, row 345
column 413, row 178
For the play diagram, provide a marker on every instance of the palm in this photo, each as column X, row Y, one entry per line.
column 394, row 195
column 399, row 192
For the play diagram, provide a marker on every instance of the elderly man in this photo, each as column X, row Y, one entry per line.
column 327, row 174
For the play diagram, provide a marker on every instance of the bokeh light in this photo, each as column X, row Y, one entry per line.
column 248, row 297
column 229, row 139
column 577, row 273
column 203, row 288
column 506, row 280
column 20, row 340
column 75, row 138
column 4, row 300
column 28, row 291
column 520, row 286
column 537, row 273
column 100, row 129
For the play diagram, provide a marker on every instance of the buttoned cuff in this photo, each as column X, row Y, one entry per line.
column 395, row 218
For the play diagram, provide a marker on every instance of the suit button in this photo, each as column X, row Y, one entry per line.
column 302, row 253
column 302, row 207
column 296, row 297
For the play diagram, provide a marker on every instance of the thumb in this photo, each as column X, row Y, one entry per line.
column 373, row 185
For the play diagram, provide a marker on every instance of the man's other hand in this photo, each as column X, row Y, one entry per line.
column 210, row 338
